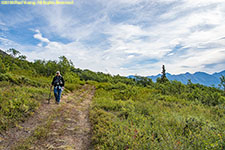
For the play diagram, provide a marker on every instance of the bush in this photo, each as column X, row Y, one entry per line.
column 18, row 102
column 154, row 121
column 72, row 87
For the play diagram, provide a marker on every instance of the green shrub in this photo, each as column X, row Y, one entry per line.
column 154, row 121
column 72, row 87
column 18, row 102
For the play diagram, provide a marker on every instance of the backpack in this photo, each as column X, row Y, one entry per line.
column 58, row 81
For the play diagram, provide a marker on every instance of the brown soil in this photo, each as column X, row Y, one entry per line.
column 69, row 126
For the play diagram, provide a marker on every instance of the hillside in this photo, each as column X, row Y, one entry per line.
column 50, row 121
column 100, row 111
column 3, row 53
column 198, row 77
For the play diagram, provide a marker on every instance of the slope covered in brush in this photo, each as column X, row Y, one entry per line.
column 125, row 113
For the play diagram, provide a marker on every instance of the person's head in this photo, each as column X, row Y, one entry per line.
column 57, row 73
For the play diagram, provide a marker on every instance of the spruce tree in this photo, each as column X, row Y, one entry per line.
column 163, row 77
column 222, row 81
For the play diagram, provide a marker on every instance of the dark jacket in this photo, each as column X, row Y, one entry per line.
column 58, row 81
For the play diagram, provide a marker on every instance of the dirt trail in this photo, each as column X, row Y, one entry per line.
column 62, row 127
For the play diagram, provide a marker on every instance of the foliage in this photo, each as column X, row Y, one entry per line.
column 163, row 77
column 25, row 85
column 13, row 52
column 18, row 102
column 222, row 82
column 146, row 119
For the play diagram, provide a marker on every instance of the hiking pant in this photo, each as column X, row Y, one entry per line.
column 57, row 93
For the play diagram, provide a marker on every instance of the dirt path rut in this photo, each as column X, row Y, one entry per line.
column 63, row 127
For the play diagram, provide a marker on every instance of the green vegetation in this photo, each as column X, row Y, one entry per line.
column 20, row 96
column 40, row 133
column 222, row 82
column 125, row 113
column 163, row 78
column 164, row 116
column 25, row 85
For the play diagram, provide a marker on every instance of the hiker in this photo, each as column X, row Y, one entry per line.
column 58, row 83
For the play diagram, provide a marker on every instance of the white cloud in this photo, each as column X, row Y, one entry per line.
column 12, row 19
column 119, row 36
column 1, row 23
column 39, row 36
column 6, row 42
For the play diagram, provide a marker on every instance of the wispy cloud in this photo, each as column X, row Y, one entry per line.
column 39, row 36
column 125, row 36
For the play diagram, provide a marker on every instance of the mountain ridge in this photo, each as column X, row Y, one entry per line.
column 197, row 77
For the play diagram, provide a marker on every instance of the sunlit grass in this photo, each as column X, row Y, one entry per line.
column 151, row 122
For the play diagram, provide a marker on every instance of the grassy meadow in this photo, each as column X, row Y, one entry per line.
column 135, row 118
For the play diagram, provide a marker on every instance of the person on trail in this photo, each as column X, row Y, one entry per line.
column 58, row 83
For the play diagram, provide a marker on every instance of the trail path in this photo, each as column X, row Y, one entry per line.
column 56, row 127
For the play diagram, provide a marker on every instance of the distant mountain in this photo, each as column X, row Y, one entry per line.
column 218, row 75
column 198, row 77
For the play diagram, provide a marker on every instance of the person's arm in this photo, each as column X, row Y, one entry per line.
column 63, row 82
column 53, row 81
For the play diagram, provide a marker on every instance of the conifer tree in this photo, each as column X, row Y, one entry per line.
column 13, row 52
column 222, row 81
column 163, row 77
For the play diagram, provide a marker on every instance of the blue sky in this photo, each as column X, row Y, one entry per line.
column 121, row 36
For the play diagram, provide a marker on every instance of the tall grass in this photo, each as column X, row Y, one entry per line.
column 21, row 95
column 145, row 119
